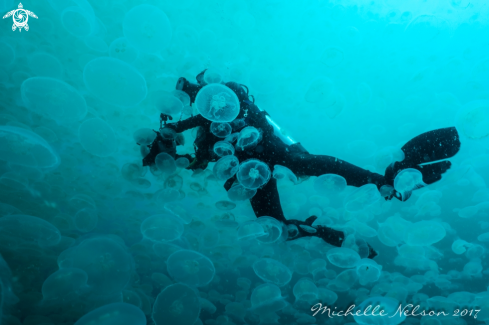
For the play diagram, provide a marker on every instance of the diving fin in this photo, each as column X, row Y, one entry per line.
column 423, row 153
column 432, row 146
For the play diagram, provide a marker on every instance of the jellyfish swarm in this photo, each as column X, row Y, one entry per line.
column 240, row 193
column 407, row 181
column 223, row 148
column 226, row 167
column 116, row 313
column 176, row 304
column 221, row 130
column 253, row 174
column 191, row 268
column 248, row 138
column 23, row 147
column 147, row 28
column 217, row 103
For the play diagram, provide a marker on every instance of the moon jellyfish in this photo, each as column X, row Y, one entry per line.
column 332, row 56
column 165, row 163
column 45, row 65
column 176, row 304
column 221, row 130
column 282, row 172
column 408, row 180
column 272, row 228
column 305, row 289
column 240, row 193
column 387, row 304
column 319, row 89
column 147, row 28
column 96, row 44
column 86, row 220
column 18, row 229
column 217, row 103
column 248, row 138
column 7, row 209
column 272, row 271
column 484, row 237
column 473, row 120
column 253, row 174
column 7, row 54
column 182, row 162
column 223, row 148
column 116, row 313
column 166, row 103
column 191, row 268
column 225, row 205
column 343, row 257
column 329, row 184
column 362, row 198
column 162, row 228
column 368, row 271
column 97, row 137
column 226, row 167
column 115, row 82
column 460, row 246
column 425, row 233
column 53, row 99
column 211, row 76
column 122, row 50
column 250, row 230
column 64, row 284
column 144, row 136
column 23, row 147
column 106, row 261
column 267, row 298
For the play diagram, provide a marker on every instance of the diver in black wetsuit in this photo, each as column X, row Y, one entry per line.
column 428, row 147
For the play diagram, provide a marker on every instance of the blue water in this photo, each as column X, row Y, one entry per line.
column 90, row 236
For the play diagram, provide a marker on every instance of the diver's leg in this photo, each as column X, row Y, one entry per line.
column 303, row 164
column 266, row 202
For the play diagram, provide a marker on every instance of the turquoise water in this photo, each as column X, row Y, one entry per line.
column 90, row 236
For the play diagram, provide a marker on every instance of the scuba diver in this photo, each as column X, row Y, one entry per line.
column 423, row 153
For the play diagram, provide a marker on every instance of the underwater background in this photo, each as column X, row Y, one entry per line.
column 90, row 236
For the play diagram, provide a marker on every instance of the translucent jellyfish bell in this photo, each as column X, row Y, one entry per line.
column 167, row 103
column 425, row 233
column 362, row 198
column 343, row 257
column 217, row 103
column 221, row 130
column 240, row 193
column 191, row 268
column 17, row 229
column 272, row 227
column 176, row 304
column 23, row 147
column 223, row 148
column 226, row 167
column 144, row 136
column 267, row 298
column 272, row 271
column 250, row 230
column 248, row 138
column 329, row 184
column 281, row 172
column 211, row 76
column 368, row 271
column 162, row 228
column 407, row 181
column 116, row 313
column 97, row 137
column 253, row 174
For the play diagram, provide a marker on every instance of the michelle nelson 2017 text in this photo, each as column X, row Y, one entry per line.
column 377, row 311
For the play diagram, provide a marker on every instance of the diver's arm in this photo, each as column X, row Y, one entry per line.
column 190, row 123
